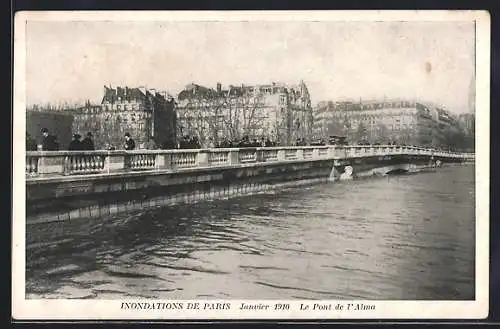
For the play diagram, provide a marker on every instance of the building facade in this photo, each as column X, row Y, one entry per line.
column 148, row 115
column 279, row 112
column 386, row 121
column 468, row 122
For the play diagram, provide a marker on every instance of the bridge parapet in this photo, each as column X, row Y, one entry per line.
column 63, row 163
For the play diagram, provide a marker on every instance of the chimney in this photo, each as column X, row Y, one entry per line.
column 219, row 87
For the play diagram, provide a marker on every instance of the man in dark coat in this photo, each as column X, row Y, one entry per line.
column 49, row 142
column 129, row 142
column 88, row 143
column 75, row 144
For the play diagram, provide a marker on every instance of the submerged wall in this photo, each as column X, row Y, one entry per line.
column 69, row 199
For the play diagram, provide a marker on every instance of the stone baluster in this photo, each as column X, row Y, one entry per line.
column 86, row 162
column 28, row 165
column 79, row 163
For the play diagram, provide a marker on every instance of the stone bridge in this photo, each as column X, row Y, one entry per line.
column 65, row 185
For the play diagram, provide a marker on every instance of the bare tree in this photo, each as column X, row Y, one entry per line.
column 382, row 133
column 237, row 114
column 230, row 114
column 361, row 132
column 194, row 117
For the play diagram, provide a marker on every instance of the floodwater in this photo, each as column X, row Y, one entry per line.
column 398, row 237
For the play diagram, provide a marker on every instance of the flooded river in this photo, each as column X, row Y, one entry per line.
column 397, row 237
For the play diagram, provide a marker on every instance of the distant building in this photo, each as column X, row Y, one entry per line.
column 58, row 124
column 383, row 121
column 148, row 115
column 280, row 112
column 468, row 123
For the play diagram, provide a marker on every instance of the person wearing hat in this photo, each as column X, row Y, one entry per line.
column 88, row 143
column 49, row 142
column 76, row 144
column 129, row 142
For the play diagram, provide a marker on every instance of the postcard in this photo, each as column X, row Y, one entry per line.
column 251, row 165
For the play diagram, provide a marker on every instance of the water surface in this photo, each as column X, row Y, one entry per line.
column 398, row 237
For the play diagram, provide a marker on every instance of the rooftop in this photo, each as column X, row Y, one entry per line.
column 118, row 94
column 237, row 90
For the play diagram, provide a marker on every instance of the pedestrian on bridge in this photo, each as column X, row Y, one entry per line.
column 49, row 141
column 129, row 142
column 88, row 143
column 76, row 143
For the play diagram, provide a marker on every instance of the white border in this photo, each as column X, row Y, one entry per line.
column 103, row 309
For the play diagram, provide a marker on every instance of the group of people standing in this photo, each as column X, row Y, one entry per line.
column 246, row 142
column 189, row 142
column 49, row 142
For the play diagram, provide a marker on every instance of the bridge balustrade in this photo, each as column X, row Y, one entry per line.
column 140, row 161
column 270, row 155
column 291, row 154
column 53, row 163
column 32, row 165
column 323, row 152
column 247, row 156
column 217, row 158
column 308, row 153
column 185, row 159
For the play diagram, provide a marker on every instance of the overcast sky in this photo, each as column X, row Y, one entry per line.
column 432, row 61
